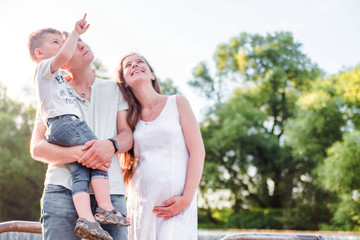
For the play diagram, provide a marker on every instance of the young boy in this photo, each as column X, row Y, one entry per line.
column 61, row 115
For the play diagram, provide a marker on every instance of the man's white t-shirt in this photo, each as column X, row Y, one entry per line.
column 100, row 113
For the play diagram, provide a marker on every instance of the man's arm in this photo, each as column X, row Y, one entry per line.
column 43, row 151
column 100, row 152
column 124, row 138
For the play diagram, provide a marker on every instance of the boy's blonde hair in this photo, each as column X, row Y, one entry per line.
column 36, row 38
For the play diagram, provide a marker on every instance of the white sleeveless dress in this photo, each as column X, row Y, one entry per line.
column 159, row 175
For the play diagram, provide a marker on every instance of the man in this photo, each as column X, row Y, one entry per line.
column 104, row 110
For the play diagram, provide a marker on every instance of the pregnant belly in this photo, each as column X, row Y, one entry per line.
column 157, row 186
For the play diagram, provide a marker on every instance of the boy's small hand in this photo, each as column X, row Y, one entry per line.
column 81, row 26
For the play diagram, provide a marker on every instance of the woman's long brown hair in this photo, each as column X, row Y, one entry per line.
column 133, row 116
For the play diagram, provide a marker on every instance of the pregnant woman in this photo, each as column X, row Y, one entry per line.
column 168, row 153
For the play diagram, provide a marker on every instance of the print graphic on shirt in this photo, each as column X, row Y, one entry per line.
column 60, row 79
column 65, row 91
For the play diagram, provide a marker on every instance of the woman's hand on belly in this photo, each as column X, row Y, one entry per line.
column 171, row 207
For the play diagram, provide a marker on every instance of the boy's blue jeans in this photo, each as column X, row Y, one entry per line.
column 68, row 130
column 58, row 214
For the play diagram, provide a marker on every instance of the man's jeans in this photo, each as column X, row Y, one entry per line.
column 67, row 130
column 58, row 214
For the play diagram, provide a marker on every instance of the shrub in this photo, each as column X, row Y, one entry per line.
column 256, row 219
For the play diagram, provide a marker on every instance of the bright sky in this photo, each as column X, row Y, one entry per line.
column 175, row 35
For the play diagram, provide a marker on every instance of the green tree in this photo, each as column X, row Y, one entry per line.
column 339, row 168
column 317, row 124
column 168, row 87
column 243, row 133
column 340, row 173
column 100, row 69
column 21, row 179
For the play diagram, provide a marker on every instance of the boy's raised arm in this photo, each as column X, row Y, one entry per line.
column 69, row 47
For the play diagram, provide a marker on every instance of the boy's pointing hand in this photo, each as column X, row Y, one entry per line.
column 81, row 26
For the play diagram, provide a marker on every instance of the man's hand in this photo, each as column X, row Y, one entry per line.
column 81, row 26
column 98, row 154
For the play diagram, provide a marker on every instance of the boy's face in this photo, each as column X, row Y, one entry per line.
column 51, row 44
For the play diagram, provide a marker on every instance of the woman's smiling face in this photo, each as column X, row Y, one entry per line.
column 136, row 68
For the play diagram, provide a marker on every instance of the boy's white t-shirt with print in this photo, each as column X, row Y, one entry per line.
column 54, row 95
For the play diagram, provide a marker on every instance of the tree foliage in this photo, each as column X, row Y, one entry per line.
column 21, row 179
column 278, row 129
column 168, row 87
column 243, row 133
column 339, row 169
